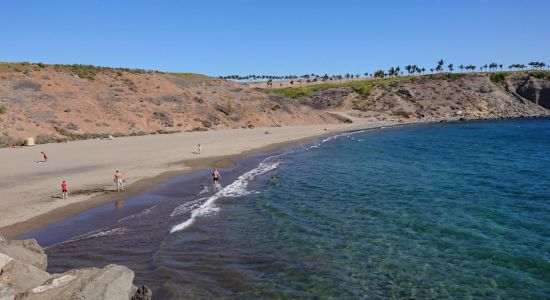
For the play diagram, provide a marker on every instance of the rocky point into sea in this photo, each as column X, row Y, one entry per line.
column 23, row 275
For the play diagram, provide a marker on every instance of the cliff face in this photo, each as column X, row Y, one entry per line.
column 534, row 89
column 71, row 102
column 442, row 97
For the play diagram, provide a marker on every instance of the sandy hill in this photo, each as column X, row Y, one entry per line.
column 60, row 102
column 65, row 102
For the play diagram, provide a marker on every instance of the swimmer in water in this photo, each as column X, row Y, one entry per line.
column 216, row 176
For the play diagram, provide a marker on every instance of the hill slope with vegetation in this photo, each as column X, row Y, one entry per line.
column 67, row 102
column 445, row 96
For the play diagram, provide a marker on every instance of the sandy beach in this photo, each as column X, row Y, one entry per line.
column 30, row 189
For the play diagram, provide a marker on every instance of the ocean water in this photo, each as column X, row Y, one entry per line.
column 436, row 211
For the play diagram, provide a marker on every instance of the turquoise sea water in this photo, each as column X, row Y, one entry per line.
column 421, row 212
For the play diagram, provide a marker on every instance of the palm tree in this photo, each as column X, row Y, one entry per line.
column 379, row 73
column 461, row 67
column 450, row 66
column 439, row 67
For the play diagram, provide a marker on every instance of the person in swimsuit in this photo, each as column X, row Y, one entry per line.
column 119, row 181
column 44, row 155
column 64, row 190
column 216, row 177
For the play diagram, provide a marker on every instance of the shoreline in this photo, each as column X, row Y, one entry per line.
column 186, row 166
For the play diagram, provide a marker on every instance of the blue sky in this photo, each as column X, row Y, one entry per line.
column 274, row 37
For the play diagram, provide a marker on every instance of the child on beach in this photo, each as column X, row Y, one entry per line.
column 199, row 148
column 64, row 190
column 119, row 181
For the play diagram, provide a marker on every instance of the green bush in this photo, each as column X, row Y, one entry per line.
column 401, row 113
column 454, row 76
column 540, row 74
column 498, row 77
column 3, row 109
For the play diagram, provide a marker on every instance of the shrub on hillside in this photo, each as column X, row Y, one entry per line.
column 27, row 85
column 46, row 139
column 498, row 77
column 164, row 119
column 401, row 113
column 8, row 141
column 72, row 126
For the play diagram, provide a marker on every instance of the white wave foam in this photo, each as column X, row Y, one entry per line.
column 114, row 231
column 93, row 234
column 140, row 214
column 205, row 189
column 187, row 207
column 235, row 189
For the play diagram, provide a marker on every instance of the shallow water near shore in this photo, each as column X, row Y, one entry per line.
column 426, row 211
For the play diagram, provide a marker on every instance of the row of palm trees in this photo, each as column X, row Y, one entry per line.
column 391, row 72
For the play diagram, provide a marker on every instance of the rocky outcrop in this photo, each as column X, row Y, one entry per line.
column 27, row 251
column 143, row 293
column 110, row 282
column 441, row 97
column 535, row 89
column 23, row 276
column 330, row 98
column 6, row 293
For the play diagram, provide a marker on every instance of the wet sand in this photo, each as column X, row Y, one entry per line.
column 30, row 190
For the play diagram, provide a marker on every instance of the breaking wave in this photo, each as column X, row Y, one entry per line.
column 235, row 189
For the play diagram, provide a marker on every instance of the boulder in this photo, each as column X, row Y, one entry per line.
column 4, row 260
column 6, row 292
column 143, row 293
column 113, row 282
column 27, row 251
column 22, row 276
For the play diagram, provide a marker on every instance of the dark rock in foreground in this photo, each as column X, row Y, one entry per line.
column 23, row 276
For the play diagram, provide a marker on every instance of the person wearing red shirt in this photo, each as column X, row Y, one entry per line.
column 64, row 190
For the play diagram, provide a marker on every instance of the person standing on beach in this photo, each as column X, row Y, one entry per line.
column 119, row 181
column 216, row 177
column 44, row 155
column 64, row 190
column 199, row 148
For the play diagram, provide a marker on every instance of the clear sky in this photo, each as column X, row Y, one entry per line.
column 274, row 37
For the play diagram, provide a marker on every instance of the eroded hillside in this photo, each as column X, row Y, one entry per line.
column 67, row 102
column 435, row 97
column 60, row 102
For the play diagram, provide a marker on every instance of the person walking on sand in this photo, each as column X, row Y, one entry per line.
column 216, row 177
column 199, row 148
column 64, row 190
column 119, row 181
column 44, row 155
